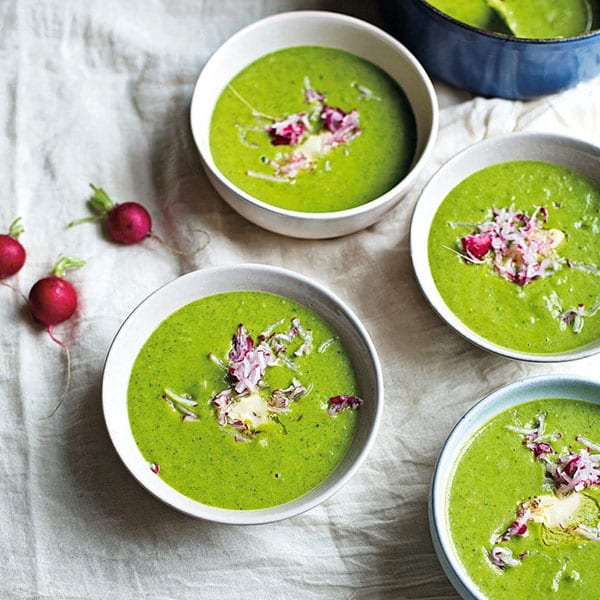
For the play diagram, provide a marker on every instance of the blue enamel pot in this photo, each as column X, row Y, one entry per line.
column 491, row 64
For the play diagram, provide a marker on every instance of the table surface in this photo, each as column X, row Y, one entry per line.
column 100, row 92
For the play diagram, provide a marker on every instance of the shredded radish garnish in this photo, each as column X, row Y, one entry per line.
column 585, row 268
column 247, row 362
column 343, row 127
column 557, row 576
column 574, row 472
column 289, row 363
column 217, row 361
column 306, row 337
column 289, row 131
column 575, row 316
column 270, row 329
column 326, row 345
column 535, row 437
column 245, row 407
column 515, row 244
column 268, row 177
column 243, row 135
column 569, row 473
column 181, row 403
column 590, row 533
column 342, row 402
column 154, row 468
column 365, row 92
column 311, row 95
column 289, row 166
column 281, row 399
column 222, row 401
column 312, row 133
column 588, row 443
column 503, row 557
column 181, row 398
column 519, row 526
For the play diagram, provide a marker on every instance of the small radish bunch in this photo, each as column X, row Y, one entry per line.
column 12, row 253
column 53, row 300
column 128, row 223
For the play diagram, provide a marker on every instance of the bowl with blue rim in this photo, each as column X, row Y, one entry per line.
column 501, row 48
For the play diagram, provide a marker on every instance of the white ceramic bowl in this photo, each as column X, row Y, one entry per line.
column 533, row 388
column 577, row 155
column 142, row 322
column 315, row 28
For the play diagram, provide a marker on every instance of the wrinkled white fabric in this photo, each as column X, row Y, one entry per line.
column 100, row 91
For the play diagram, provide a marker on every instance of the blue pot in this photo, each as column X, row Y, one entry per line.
column 491, row 64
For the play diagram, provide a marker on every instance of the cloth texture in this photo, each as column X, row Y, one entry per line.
column 100, row 92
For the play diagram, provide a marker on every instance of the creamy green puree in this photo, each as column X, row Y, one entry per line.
column 516, row 533
column 313, row 129
column 291, row 451
column 525, row 18
column 553, row 303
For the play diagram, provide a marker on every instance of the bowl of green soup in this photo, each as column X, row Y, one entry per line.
column 501, row 48
column 242, row 394
column 504, row 244
column 515, row 500
column 313, row 124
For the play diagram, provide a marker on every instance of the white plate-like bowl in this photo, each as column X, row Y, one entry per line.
column 533, row 388
column 142, row 322
column 313, row 28
column 577, row 155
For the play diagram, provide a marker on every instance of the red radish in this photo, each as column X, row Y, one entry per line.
column 128, row 223
column 12, row 253
column 53, row 300
column 477, row 245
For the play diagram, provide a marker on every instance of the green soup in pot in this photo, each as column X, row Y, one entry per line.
column 271, row 443
column 313, row 129
column 537, row 19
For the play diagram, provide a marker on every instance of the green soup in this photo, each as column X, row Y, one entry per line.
column 517, row 532
column 313, row 129
column 528, row 19
column 277, row 441
column 554, row 311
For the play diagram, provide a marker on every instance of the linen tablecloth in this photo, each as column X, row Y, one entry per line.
column 100, row 92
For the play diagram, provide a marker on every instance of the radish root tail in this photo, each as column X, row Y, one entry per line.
column 14, row 289
column 68, row 382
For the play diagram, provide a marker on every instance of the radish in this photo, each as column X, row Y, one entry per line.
column 53, row 300
column 128, row 223
column 12, row 253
